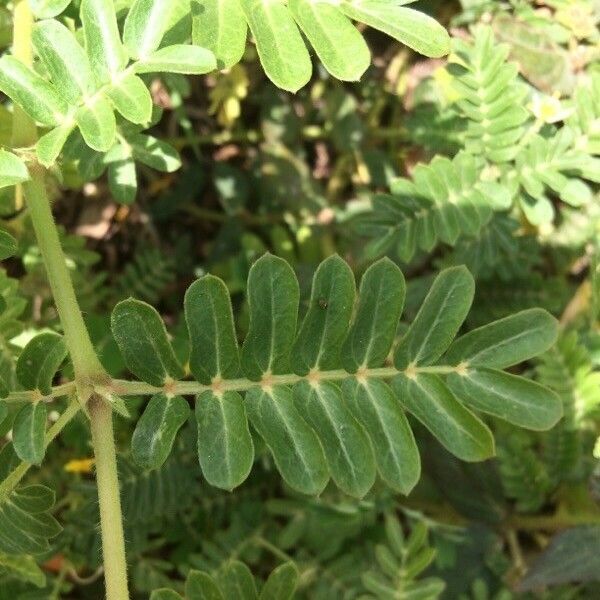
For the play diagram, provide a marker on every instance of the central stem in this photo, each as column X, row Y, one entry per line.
column 87, row 367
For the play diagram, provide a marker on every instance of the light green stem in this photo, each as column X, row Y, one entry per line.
column 78, row 341
column 113, row 541
column 87, row 367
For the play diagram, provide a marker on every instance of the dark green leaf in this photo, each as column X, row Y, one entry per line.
column 39, row 361
column 236, row 582
column 374, row 405
column 201, row 586
column 515, row 399
column 281, row 583
column 505, row 342
column 214, row 350
column 326, row 322
column 29, row 429
column 438, row 320
column 273, row 296
column 380, row 302
column 156, row 429
column 456, row 428
column 142, row 338
column 347, row 448
column 8, row 245
column 225, row 447
column 294, row 445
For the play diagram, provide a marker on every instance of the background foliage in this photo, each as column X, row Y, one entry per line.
column 487, row 158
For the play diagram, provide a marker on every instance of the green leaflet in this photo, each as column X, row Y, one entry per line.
column 29, row 429
column 380, row 303
column 281, row 583
column 145, row 26
column 132, row 99
column 23, row 567
column 294, row 445
column 38, row 98
column 236, row 581
column 347, row 448
column 25, row 525
column 374, row 406
column 50, row 144
column 8, row 245
column 122, row 180
column 208, row 314
column 411, row 27
column 220, row 26
column 103, row 45
column 12, row 169
column 45, row 9
column 225, row 447
column 505, row 342
column 438, row 320
column 39, row 361
column 338, row 43
column 456, row 428
column 155, row 153
column 281, row 49
column 201, row 586
column 273, row 297
column 65, row 60
column 326, row 322
column 179, row 58
column 96, row 121
column 515, row 399
column 156, row 429
column 164, row 594
column 142, row 338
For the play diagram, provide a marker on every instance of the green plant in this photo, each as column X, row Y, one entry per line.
column 362, row 402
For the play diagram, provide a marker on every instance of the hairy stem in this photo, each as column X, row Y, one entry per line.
column 113, row 540
column 88, row 370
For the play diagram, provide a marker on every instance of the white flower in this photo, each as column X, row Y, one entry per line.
column 549, row 109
